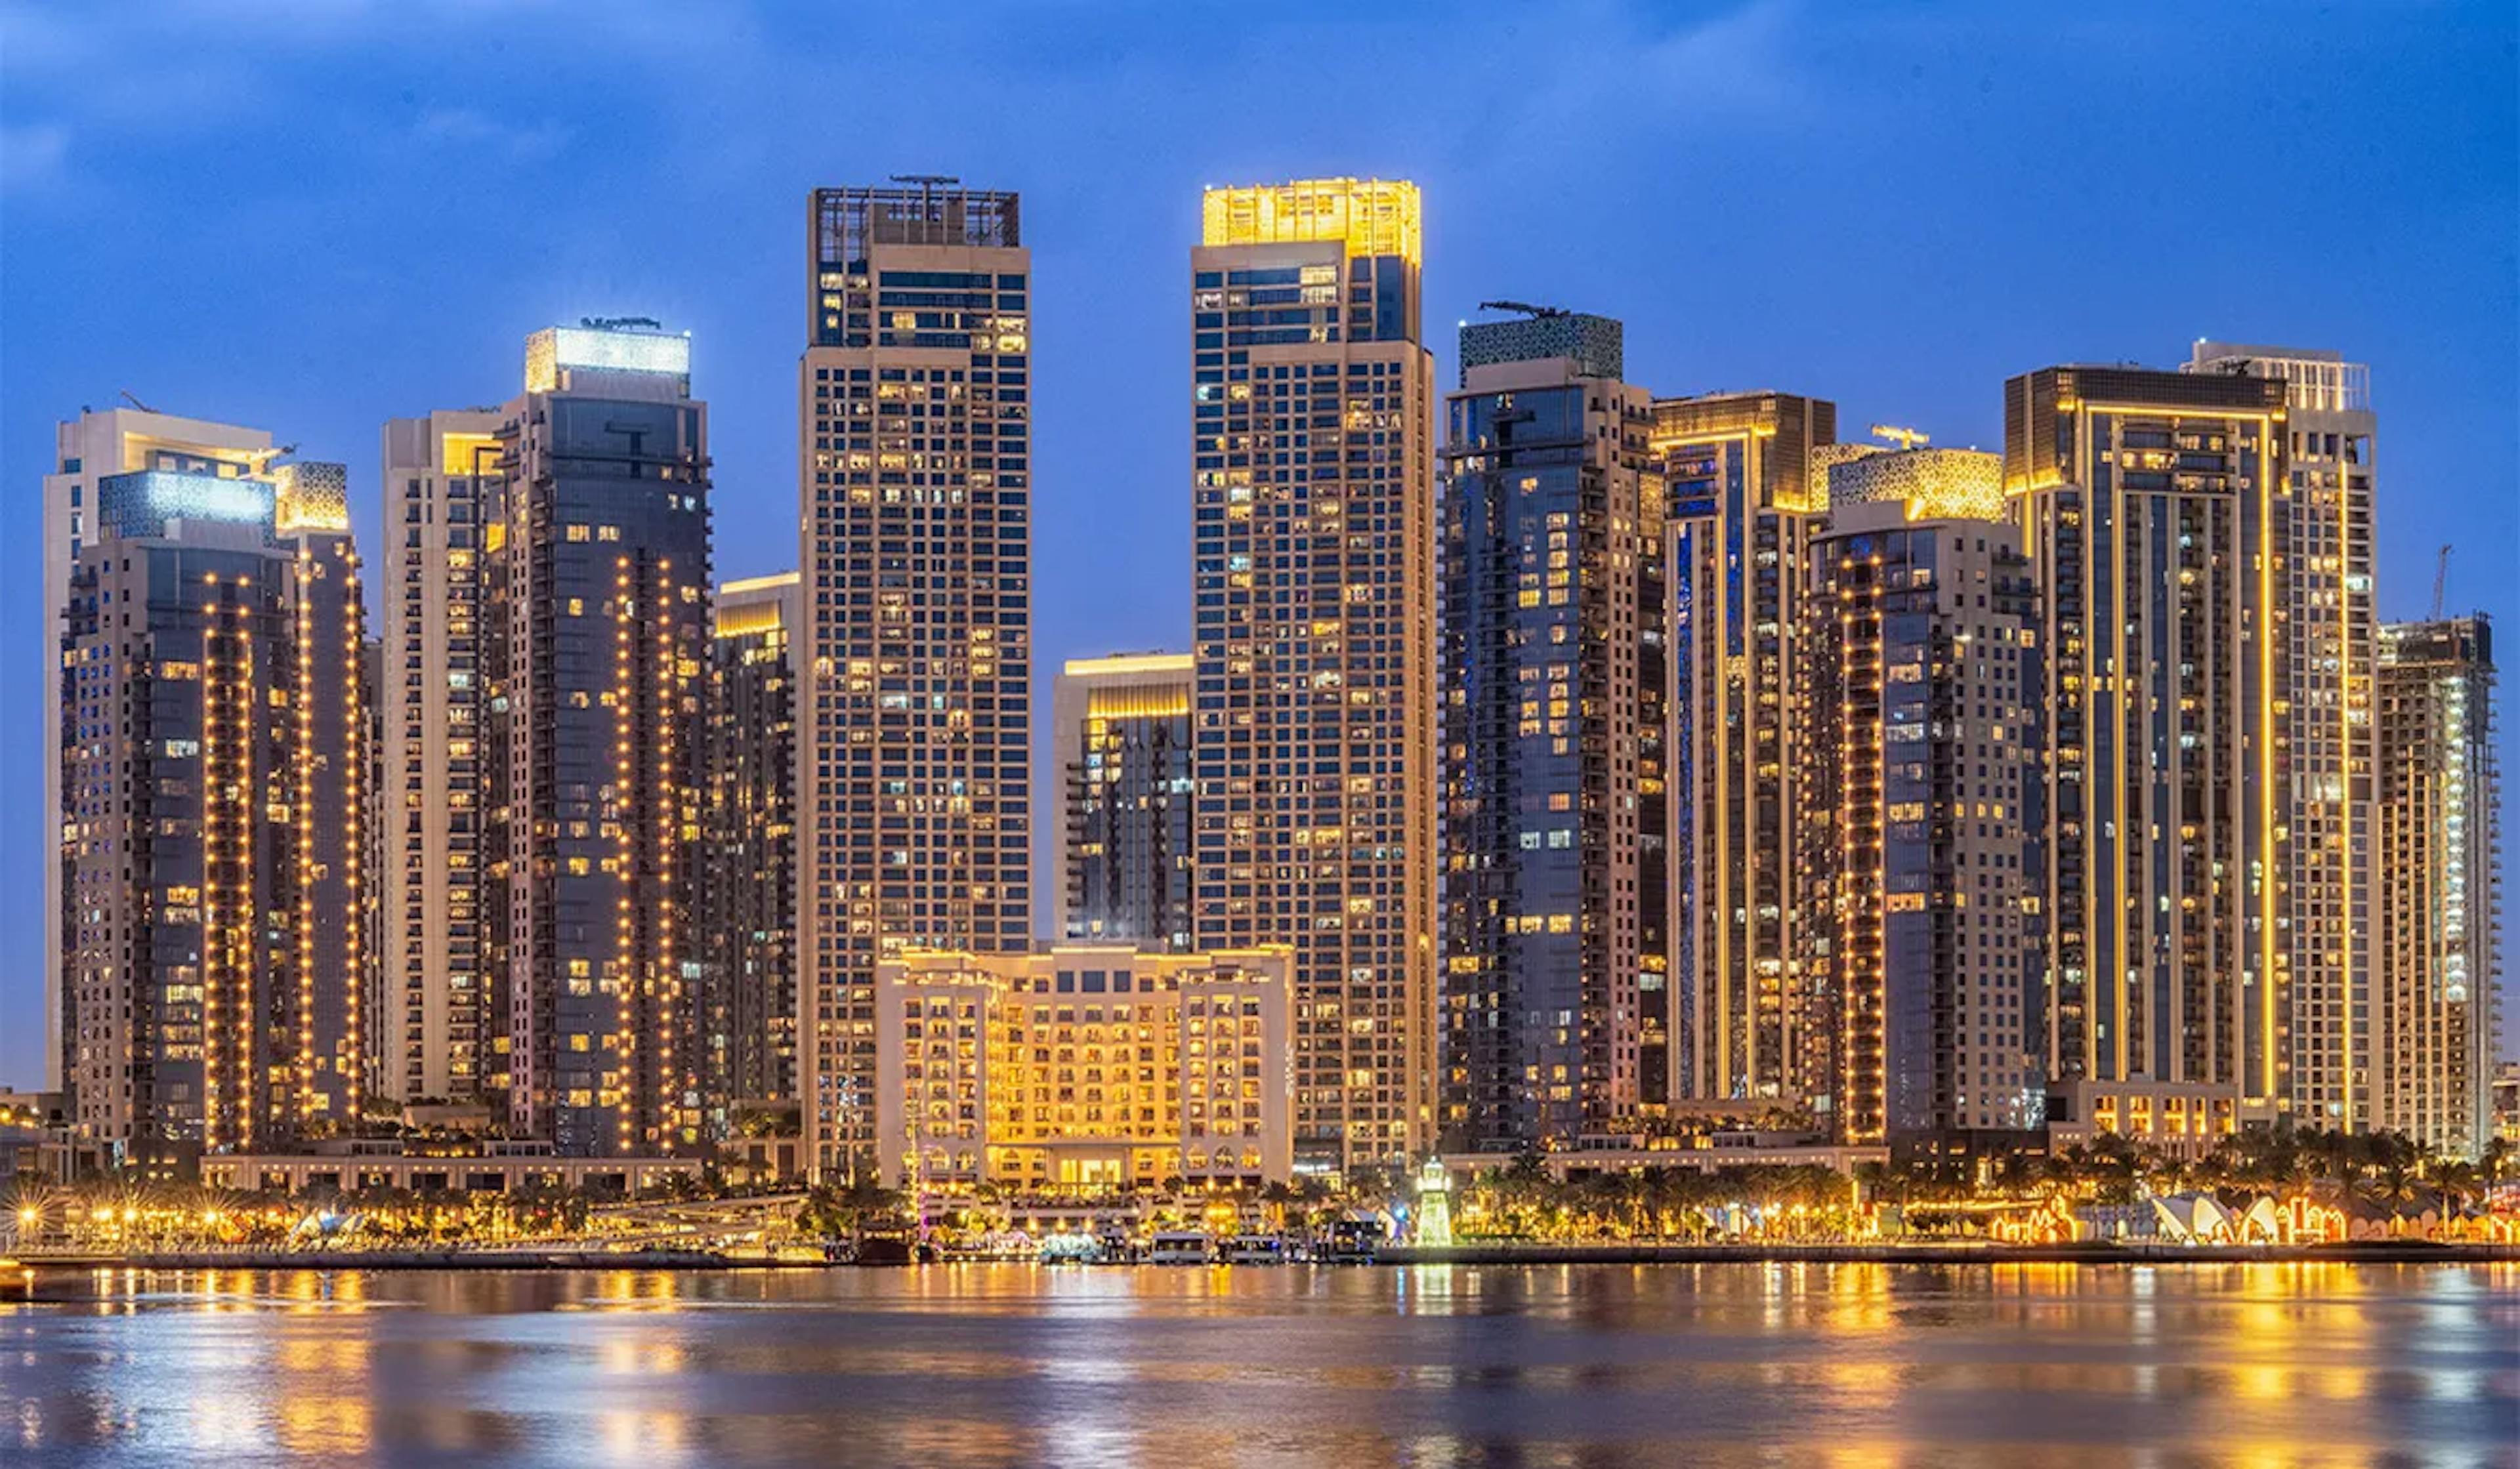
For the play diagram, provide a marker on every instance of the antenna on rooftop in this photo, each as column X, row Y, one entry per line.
column 928, row 184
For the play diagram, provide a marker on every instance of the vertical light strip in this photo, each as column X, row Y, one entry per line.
column 213, row 960
column 667, row 817
column 626, row 967
column 2269, row 857
column 352, row 745
column 304, row 654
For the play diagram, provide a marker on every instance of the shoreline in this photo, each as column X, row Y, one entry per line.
column 2098, row 1253
column 1954, row 1252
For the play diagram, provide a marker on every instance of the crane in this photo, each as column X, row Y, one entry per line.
column 2441, row 580
column 1905, row 438
column 1525, row 307
column 128, row 397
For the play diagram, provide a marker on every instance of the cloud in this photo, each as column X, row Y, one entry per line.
column 1738, row 63
column 464, row 127
column 32, row 156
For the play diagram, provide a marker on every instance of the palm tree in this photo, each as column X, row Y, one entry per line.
column 2458, row 1183
column 849, row 1210
column 2391, row 1182
column 2495, row 1165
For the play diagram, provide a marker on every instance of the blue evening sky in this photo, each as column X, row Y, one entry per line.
column 311, row 214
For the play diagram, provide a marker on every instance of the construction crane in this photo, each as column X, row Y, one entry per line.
column 133, row 401
column 2441, row 580
column 1905, row 438
column 1525, row 307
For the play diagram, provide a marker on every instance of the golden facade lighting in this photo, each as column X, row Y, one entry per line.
column 1368, row 216
column 2150, row 504
column 1743, row 504
column 1345, row 349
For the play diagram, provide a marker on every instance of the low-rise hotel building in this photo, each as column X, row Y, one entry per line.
column 1085, row 1066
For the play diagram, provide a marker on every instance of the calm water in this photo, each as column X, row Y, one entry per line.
column 1562, row 1366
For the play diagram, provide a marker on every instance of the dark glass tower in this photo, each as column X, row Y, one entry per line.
column 1541, row 803
column 748, row 922
column 600, row 574
column 214, row 814
column 1122, row 747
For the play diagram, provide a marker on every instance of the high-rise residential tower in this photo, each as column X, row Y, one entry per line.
column 1917, row 720
column 1120, row 740
column 377, row 995
column 2151, row 509
column 1741, row 502
column 914, row 491
column 326, row 786
column 214, row 775
column 86, row 449
column 1313, row 544
column 747, row 1007
column 2327, row 750
column 1542, row 796
column 599, row 688
column 2440, row 882
column 443, row 501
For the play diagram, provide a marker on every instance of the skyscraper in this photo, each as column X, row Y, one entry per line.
column 1120, row 740
column 443, row 496
column 2440, row 883
column 1917, row 724
column 1737, row 471
column 1541, row 795
column 377, row 995
column 215, row 798
column 2327, row 750
column 600, row 584
column 747, row 1008
column 86, row 449
column 1312, row 535
column 326, row 785
column 2152, row 509
column 914, row 496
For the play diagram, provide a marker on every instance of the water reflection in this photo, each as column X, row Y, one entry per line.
column 1852, row 1365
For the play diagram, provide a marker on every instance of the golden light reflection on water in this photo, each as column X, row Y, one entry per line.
column 1861, row 1365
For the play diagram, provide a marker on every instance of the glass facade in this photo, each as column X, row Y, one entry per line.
column 1122, row 747
column 600, row 581
column 2149, row 505
column 747, row 1006
column 214, row 787
column 1737, row 472
column 1544, row 777
column 2439, row 827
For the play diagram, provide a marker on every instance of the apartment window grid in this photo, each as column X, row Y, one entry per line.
column 1313, row 589
column 916, row 489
